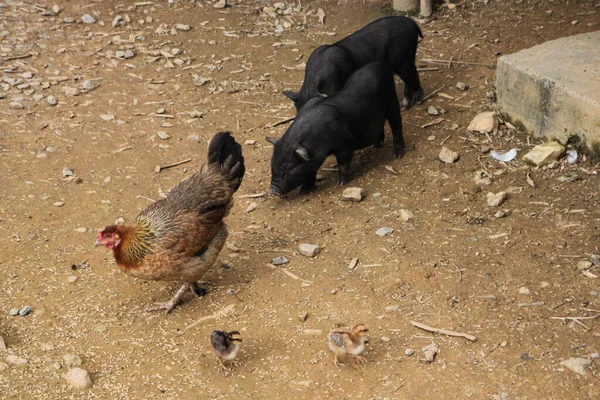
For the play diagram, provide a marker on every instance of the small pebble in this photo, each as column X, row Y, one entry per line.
column 13, row 312
column 72, row 278
column 88, row 19
column 25, row 311
column 384, row 231
column 182, row 27
column 129, row 54
column 409, row 352
column 58, row 204
column 16, row 361
column 15, row 105
column 595, row 355
column 544, row 284
column 88, row 85
column 107, row 117
column 303, row 316
column 353, row 194
column 51, row 100
column 431, row 138
column 116, row 20
column 432, row 111
column 524, row 290
column 430, row 351
column 333, row 291
column 309, row 250
column 448, row 156
column 462, row 86
column 501, row 214
column 67, row 172
column 2, row 343
column 194, row 137
column 583, row 265
column 406, row 215
column 279, row 260
column 496, row 199
column 163, row 135
column 79, row 378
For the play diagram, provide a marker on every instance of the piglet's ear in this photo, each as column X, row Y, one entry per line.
column 303, row 153
column 293, row 96
column 271, row 140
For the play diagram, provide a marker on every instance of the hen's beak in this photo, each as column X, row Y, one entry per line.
column 98, row 243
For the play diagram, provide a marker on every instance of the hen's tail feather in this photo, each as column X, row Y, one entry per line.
column 226, row 154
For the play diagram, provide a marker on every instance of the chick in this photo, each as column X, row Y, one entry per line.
column 226, row 346
column 352, row 343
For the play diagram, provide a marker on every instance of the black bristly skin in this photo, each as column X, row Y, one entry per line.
column 391, row 40
column 349, row 120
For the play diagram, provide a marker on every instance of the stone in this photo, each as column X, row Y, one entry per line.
column 182, row 27
column 2, row 344
column 430, row 351
column 221, row 4
column 26, row 310
column 116, row 20
column 129, row 54
column 3, row 367
column 409, row 352
column 51, row 100
column 484, row 122
column 15, row 105
column 120, row 54
column 405, row 5
column 88, row 85
column 577, row 365
column 544, row 154
column 72, row 360
column 448, row 156
column 303, row 316
column 353, row 194
column 72, row 278
column 496, row 199
column 279, row 260
column 383, row 232
column 582, row 265
column 432, row 111
column 16, row 361
column 308, row 250
column 88, row 19
column 78, row 378
column 70, row 91
column 462, row 86
column 553, row 89
column 163, row 135
column 13, row 312
column 406, row 215
column 502, row 214
column 107, row 117
column 524, row 290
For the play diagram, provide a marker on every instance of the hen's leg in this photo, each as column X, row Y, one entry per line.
column 171, row 304
column 206, row 260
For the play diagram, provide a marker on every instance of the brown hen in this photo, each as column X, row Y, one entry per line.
column 179, row 238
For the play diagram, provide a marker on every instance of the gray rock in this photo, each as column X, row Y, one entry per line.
column 120, row 54
column 430, row 351
column 577, row 365
column 70, row 92
column 72, row 360
column 279, row 29
column 88, row 85
column 353, row 194
column 182, row 27
column 116, row 20
column 67, row 172
column 502, row 214
column 25, row 311
column 384, row 231
column 79, row 378
column 13, row 312
column 448, row 156
column 129, row 54
column 462, row 86
column 308, row 250
column 409, row 352
column 595, row 355
column 69, row 20
column 496, row 199
column 279, row 260
column 16, row 361
column 88, row 19
column 221, row 4
column 432, row 111
column 484, row 122
column 544, row 154
column 2, row 343
column 51, row 100
column 194, row 137
column 582, row 265
column 406, row 215
column 15, row 105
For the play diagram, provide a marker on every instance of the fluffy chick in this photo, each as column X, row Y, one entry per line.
column 352, row 343
column 225, row 345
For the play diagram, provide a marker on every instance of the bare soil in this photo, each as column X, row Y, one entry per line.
column 453, row 266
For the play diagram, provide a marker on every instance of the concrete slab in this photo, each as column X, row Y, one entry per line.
column 553, row 90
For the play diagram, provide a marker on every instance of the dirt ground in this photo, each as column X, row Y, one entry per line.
column 454, row 265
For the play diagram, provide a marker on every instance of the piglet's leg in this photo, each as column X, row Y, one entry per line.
column 392, row 114
column 309, row 184
column 344, row 159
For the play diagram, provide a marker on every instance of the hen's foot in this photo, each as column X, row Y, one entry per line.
column 360, row 360
column 171, row 304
